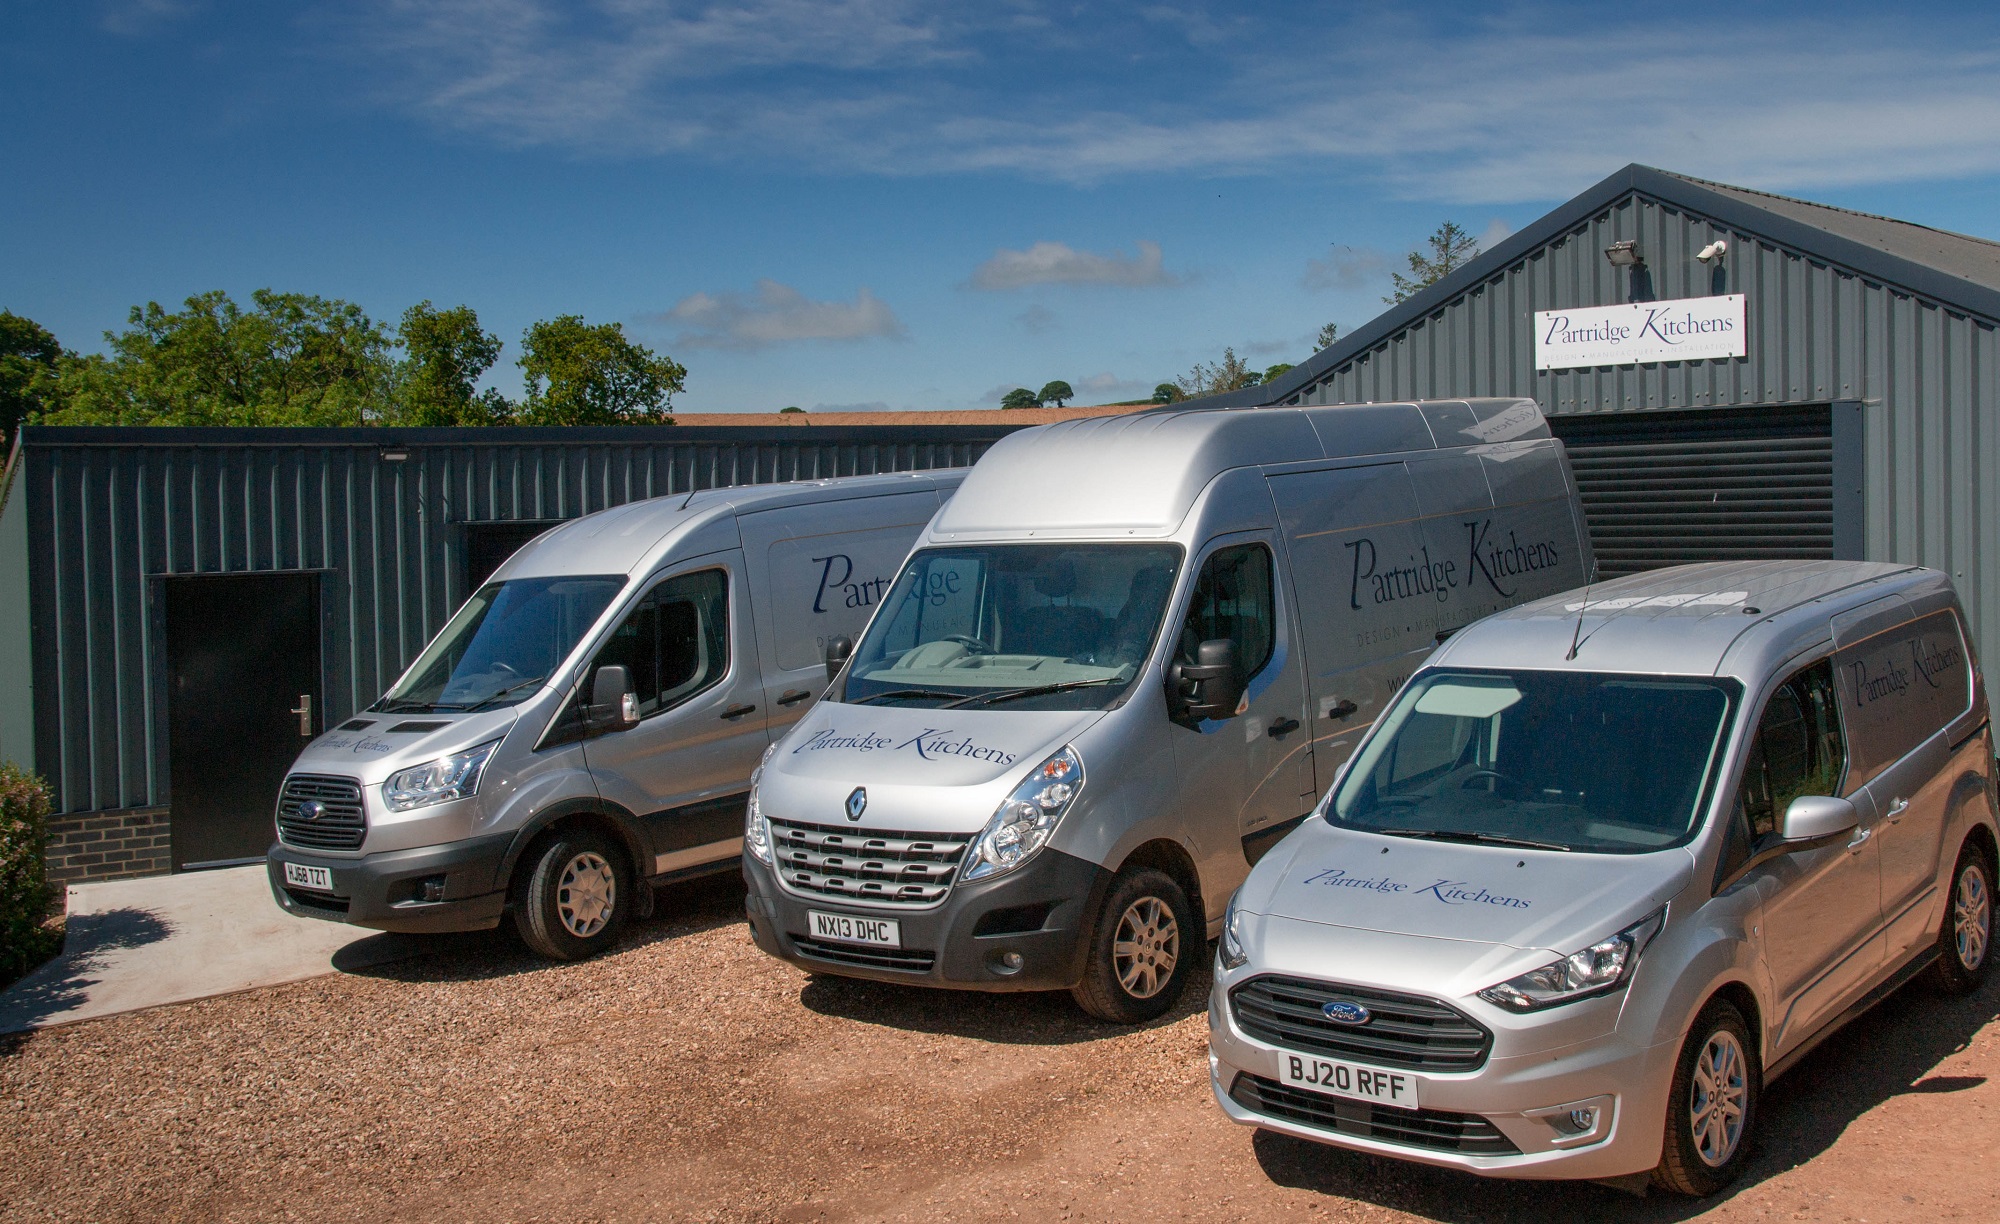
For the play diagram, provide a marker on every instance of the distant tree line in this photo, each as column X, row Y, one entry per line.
column 1057, row 393
column 299, row 359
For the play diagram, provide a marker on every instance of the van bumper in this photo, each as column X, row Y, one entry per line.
column 1039, row 912
column 385, row 891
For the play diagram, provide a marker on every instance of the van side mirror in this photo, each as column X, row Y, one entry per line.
column 614, row 704
column 1814, row 818
column 1210, row 687
column 839, row 649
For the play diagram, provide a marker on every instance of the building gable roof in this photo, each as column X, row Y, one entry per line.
column 1954, row 270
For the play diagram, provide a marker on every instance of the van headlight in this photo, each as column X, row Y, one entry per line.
column 439, row 781
column 1599, row 969
column 1027, row 818
column 1229, row 949
column 756, row 829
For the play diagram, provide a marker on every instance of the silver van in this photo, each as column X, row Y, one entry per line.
column 1611, row 862
column 589, row 719
column 1122, row 662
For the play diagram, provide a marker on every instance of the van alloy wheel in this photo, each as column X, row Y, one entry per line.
column 1964, row 943
column 1715, row 1107
column 1971, row 915
column 586, row 895
column 1147, row 947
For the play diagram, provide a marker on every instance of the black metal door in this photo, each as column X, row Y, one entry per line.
column 1715, row 484
column 243, row 697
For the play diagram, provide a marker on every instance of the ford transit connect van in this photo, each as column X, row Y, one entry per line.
column 1611, row 862
column 1121, row 663
column 588, row 721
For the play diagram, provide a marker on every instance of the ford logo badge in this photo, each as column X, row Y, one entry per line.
column 311, row 809
column 1342, row 1011
column 857, row 803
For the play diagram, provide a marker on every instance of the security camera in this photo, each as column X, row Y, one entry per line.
column 1712, row 252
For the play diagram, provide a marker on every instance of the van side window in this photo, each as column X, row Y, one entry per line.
column 676, row 642
column 1233, row 598
column 1799, row 750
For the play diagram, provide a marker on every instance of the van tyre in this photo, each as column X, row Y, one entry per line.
column 1713, row 1105
column 1144, row 941
column 571, row 895
column 1965, row 934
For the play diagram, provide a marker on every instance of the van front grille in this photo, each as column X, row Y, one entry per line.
column 1402, row 1030
column 906, row 959
column 339, row 822
column 866, row 864
column 1434, row 1129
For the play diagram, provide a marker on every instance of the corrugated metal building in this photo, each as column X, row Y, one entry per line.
column 1862, row 419
column 118, row 548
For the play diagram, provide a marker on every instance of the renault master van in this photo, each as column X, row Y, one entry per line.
column 1121, row 663
column 1612, row 862
column 587, row 723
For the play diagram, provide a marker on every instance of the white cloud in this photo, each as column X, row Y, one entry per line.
column 895, row 88
column 1495, row 233
column 773, row 314
column 1037, row 320
column 1058, row 263
column 1347, row 268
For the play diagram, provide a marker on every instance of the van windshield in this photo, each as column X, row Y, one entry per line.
column 503, row 644
column 1025, row 626
column 1564, row 760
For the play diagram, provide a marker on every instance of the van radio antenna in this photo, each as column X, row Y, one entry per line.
column 1576, row 639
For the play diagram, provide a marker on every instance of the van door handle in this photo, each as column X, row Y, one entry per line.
column 1861, row 837
column 794, row 697
column 1342, row 709
column 738, row 711
column 1282, row 728
column 305, row 712
column 1897, row 809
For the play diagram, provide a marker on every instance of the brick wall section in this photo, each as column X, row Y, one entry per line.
column 108, row 845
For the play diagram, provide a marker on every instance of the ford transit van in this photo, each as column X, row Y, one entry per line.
column 1610, row 863
column 1121, row 663
column 588, row 721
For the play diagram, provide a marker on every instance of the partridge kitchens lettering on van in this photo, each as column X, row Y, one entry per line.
column 1487, row 559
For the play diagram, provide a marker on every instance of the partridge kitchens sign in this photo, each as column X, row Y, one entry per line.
column 1688, row 329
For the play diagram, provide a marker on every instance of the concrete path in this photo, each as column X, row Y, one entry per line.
column 169, row 939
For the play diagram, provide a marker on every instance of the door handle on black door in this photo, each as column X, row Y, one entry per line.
column 305, row 712
column 1282, row 728
column 794, row 697
column 738, row 711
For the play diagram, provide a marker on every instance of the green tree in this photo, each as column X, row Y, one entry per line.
column 1167, row 393
column 793, row 408
column 1020, row 397
column 1271, row 375
column 28, row 360
column 294, row 359
column 1216, row 377
column 444, row 353
column 583, row 374
column 1057, row 392
column 1327, row 335
column 1449, row 248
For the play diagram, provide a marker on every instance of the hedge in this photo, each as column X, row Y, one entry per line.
column 24, row 888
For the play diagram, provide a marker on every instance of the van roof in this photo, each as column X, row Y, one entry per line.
column 626, row 538
column 1140, row 474
column 1721, row 618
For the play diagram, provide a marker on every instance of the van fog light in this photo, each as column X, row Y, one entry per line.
column 1578, row 1121
column 431, row 889
column 1005, row 962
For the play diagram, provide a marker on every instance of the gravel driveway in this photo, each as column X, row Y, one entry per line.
column 688, row 1076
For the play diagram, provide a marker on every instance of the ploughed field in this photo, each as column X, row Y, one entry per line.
column 688, row 1076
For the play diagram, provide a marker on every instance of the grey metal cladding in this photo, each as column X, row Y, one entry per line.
column 112, row 509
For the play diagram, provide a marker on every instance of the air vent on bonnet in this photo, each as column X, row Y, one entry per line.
column 356, row 724
column 414, row 728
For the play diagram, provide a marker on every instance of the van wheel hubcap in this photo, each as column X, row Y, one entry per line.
column 586, row 894
column 1971, row 916
column 1147, row 947
column 1715, row 1106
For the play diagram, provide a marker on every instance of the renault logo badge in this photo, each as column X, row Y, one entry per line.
column 857, row 803
column 311, row 809
column 1344, row 1011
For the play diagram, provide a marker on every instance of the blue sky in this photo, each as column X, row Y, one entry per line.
column 872, row 203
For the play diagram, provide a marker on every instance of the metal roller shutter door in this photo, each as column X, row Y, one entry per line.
column 1726, row 484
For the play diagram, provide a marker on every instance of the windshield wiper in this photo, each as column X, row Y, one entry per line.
column 499, row 693
column 400, row 705
column 1036, row 691
column 892, row 694
column 1484, row 839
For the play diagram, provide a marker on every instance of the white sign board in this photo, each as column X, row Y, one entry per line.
column 1687, row 329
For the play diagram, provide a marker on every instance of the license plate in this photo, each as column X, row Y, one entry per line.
column 1350, row 1080
column 309, row 877
column 847, row 928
